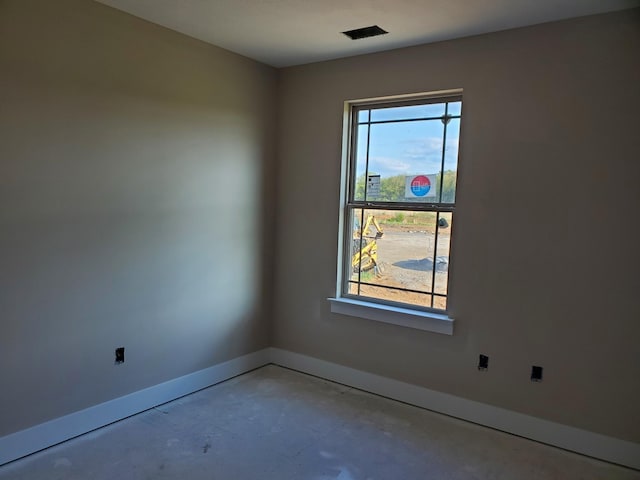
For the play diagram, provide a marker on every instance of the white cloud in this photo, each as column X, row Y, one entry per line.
column 428, row 147
column 388, row 165
column 410, row 156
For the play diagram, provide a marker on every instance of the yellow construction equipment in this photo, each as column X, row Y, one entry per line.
column 365, row 247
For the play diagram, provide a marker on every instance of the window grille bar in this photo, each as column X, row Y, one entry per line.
column 405, row 120
column 408, row 290
column 435, row 254
column 402, row 289
column 419, row 207
column 444, row 149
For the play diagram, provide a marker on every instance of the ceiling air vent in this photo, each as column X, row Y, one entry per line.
column 358, row 33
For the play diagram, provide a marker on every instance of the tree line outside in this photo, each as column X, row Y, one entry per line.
column 392, row 189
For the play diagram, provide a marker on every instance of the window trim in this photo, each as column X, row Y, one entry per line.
column 380, row 310
column 402, row 316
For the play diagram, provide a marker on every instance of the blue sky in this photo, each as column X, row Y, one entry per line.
column 408, row 148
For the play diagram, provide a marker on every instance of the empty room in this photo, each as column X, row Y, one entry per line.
column 319, row 240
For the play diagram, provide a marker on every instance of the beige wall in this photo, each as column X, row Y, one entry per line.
column 137, row 206
column 546, row 240
column 136, row 200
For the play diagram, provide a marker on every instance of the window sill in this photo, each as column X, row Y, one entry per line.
column 428, row 321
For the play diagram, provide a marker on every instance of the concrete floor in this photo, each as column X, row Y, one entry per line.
column 274, row 423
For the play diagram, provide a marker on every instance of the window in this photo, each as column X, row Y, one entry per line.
column 399, row 201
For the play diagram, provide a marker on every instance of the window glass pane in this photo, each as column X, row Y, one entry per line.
column 361, row 162
column 390, row 295
column 451, row 161
column 363, row 116
column 393, row 255
column 439, row 302
column 408, row 158
column 442, row 253
column 407, row 112
column 363, row 248
column 455, row 108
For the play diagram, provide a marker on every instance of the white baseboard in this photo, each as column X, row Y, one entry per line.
column 44, row 435
column 39, row 437
column 569, row 438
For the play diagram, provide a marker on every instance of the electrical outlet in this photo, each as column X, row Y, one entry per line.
column 119, row 355
column 483, row 363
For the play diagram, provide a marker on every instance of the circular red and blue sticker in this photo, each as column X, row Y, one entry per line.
column 420, row 185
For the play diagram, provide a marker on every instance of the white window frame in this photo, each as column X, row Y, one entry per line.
column 403, row 315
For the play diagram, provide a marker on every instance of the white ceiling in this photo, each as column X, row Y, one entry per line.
column 292, row 32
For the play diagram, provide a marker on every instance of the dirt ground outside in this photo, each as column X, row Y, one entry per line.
column 406, row 260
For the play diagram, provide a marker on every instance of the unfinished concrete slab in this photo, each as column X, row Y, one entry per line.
column 275, row 423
